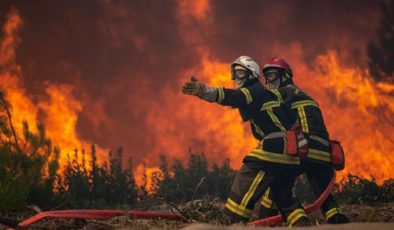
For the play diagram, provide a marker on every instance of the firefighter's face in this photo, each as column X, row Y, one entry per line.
column 240, row 75
column 272, row 78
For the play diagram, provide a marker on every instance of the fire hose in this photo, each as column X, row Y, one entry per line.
column 108, row 214
column 97, row 214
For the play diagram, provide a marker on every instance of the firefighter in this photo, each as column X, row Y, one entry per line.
column 317, row 166
column 268, row 165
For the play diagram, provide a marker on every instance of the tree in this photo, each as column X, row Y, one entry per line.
column 220, row 179
column 28, row 163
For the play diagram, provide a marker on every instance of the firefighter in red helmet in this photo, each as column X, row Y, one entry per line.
column 277, row 73
column 317, row 166
column 268, row 165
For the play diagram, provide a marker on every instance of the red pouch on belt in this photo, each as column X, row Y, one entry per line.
column 337, row 155
column 297, row 145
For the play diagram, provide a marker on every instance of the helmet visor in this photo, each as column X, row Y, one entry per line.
column 239, row 74
column 271, row 75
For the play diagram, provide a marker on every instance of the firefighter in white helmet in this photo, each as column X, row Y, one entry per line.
column 268, row 165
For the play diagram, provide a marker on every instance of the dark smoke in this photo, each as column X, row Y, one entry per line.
column 121, row 54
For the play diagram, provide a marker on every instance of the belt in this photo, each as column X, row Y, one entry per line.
column 313, row 137
column 321, row 140
column 274, row 135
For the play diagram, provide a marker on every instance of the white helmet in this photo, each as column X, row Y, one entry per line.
column 249, row 63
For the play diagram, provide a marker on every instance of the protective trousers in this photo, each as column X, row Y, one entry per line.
column 319, row 175
column 250, row 183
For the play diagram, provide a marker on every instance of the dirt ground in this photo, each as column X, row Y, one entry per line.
column 363, row 217
column 351, row 226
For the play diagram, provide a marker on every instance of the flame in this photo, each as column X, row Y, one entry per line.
column 11, row 39
column 144, row 176
column 60, row 110
column 198, row 10
column 357, row 110
column 189, row 122
column 349, row 99
column 10, row 76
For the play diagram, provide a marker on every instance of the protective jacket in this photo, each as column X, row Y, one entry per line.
column 267, row 114
column 311, row 120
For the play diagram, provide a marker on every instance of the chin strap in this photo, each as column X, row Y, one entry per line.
column 285, row 79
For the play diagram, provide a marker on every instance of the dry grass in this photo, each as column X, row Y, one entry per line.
column 207, row 211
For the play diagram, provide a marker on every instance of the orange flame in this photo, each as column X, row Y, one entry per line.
column 189, row 122
column 358, row 114
column 10, row 76
column 197, row 9
column 349, row 99
column 357, row 111
column 144, row 176
column 61, row 110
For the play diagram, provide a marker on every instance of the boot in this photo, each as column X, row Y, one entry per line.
column 302, row 222
column 338, row 218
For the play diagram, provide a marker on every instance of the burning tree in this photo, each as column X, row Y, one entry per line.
column 28, row 164
column 381, row 54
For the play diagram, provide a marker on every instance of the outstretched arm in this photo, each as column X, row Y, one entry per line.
column 229, row 97
column 195, row 88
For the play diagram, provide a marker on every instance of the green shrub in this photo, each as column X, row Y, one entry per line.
column 196, row 180
column 387, row 191
column 358, row 190
column 109, row 185
column 13, row 192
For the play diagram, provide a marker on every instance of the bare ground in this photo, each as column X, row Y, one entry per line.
column 351, row 226
column 363, row 217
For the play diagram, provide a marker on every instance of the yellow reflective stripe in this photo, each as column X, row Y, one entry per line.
column 276, row 92
column 304, row 121
column 241, row 208
column 318, row 155
column 294, row 213
column 332, row 212
column 252, row 189
column 267, row 192
column 235, row 208
column 266, row 204
column 269, row 105
column 276, row 120
column 258, row 130
column 248, row 96
column 303, row 103
column 274, row 157
column 294, row 216
column 220, row 95
column 299, row 105
column 266, row 201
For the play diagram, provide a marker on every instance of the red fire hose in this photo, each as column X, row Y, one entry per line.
column 108, row 214
column 275, row 220
column 99, row 214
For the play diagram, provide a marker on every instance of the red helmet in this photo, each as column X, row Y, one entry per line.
column 278, row 63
